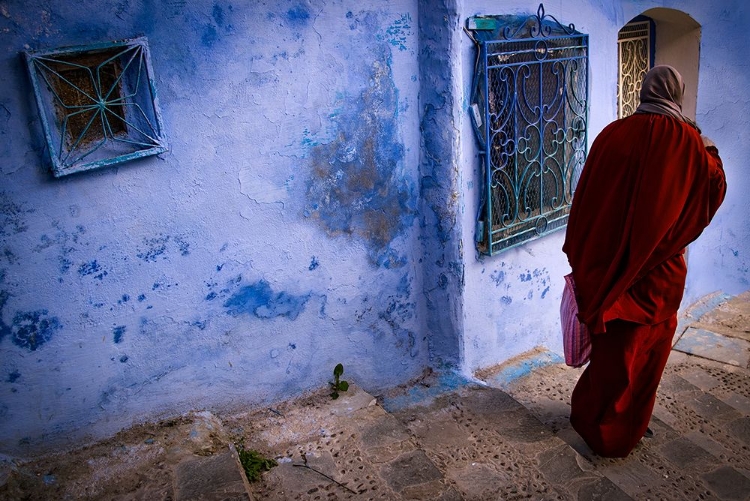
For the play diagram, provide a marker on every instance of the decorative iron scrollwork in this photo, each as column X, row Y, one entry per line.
column 532, row 82
column 539, row 25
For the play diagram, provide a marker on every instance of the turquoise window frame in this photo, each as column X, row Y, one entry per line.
column 97, row 104
column 529, row 109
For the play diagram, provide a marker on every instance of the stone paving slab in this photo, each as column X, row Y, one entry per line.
column 707, row 344
column 212, row 478
column 695, row 451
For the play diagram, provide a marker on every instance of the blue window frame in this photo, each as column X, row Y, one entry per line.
column 97, row 104
column 529, row 110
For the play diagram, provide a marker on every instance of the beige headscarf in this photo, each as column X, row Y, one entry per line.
column 662, row 93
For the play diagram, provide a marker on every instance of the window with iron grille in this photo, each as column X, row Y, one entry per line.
column 97, row 104
column 529, row 110
column 635, row 56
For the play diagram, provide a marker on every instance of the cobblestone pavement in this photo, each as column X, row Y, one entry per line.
column 502, row 436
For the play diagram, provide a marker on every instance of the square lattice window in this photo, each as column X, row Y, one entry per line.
column 97, row 104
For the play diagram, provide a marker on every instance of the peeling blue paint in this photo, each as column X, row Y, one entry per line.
column 506, row 300
column 12, row 220
column 124, row 359
column 218, row 14
column 356, row 188
column 259, row 300
column 155, row 247
column 200, row 324
column 396, row 34
column 443, row 281
column 65, row 242
column 298, row 15
column 525, row 277
column 5, row 330
column 498, row 277
column 523, row 367
column 313, row 263
column 141, row 298
column 10, row 256
column 183, row 246
column 544, row 292
column 418, row 395
column 118, row 333
column 92, row 268
column 13, row 376
column 33, row 328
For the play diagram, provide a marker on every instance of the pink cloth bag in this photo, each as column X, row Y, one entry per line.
column 576, row 338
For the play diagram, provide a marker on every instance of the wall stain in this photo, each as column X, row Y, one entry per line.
column 396, row 34
column 64, row 241
column 356, row 187
column 118, row 333
column 211, row 32
column 498, row 277
column 9, row 256
column 5, row 329
column 387, row 314
column 313, row 264
column 298, row 15
column 92, row 268
column 12, row 220
column 13, row 376
column 259, row 300
column 156, row 247
column 31, row 329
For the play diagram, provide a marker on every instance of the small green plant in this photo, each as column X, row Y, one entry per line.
column 338, row 385
column 254, row 463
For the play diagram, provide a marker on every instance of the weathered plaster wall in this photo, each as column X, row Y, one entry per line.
column 276, row 238
column 317, row 206
column 720, row 259
column 440, row 187
column 511, row 301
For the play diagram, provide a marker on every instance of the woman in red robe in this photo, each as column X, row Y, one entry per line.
column 650, row 185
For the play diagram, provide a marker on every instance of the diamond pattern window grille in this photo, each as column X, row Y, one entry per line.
column 530, row 101
column 97, row 104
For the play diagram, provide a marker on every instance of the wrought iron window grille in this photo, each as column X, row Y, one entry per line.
column 529, row 111
column 635, row 56
column 97, row 104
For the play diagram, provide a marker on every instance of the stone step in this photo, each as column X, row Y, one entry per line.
column 443, row 437
column 701, row 422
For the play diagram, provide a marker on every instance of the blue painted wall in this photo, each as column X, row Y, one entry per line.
column 276, row 238
column 511, row 301
column 316, row 206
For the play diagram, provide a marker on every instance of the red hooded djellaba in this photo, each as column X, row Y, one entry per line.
column 650, row 185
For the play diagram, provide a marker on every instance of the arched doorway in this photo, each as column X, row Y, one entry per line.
column 658, row 36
